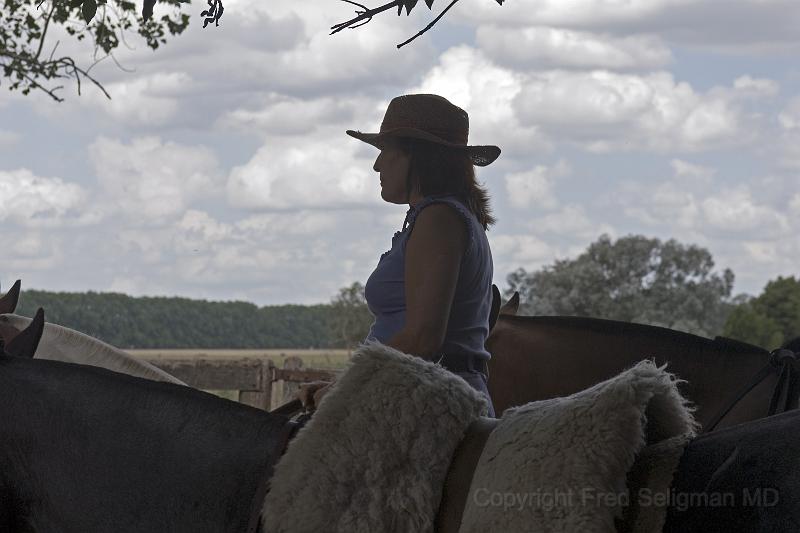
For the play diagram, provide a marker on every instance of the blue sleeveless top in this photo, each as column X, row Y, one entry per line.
column 468, row 324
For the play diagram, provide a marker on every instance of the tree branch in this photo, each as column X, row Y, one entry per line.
column 44, row 30
column 64, row 62
column 365, row 14
column 429, row 26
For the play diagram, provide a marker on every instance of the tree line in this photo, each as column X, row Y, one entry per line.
column 633, row 279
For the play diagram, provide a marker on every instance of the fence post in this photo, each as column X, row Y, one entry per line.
column 290, row 387
column 261, row 398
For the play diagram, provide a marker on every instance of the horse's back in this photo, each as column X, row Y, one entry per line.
column 743, row 478
column 86, row 450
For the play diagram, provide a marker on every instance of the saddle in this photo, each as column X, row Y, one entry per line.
column 459, row 474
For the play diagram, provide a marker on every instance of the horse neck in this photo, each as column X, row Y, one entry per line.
column 64, row 344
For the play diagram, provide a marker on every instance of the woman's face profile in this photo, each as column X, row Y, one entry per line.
column 392, row 164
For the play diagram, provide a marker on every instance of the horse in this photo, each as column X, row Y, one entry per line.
column 86, row 449
column 541, row 357
column 91, row 450
column 63, row 344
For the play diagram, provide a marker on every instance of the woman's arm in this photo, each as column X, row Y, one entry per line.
column 433, row 259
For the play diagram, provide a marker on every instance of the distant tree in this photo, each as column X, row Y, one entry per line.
column 351, row 318
column 771, row 319
column 634, row 279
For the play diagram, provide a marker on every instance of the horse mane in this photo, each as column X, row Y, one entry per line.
column 633, row 329
column 98, row 353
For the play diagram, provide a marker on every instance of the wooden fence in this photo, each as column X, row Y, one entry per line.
column 259, row 382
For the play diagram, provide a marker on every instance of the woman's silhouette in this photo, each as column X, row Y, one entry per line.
column 431, row 292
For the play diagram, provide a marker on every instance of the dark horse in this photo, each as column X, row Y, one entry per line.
column 541, row 357
column 85, row 449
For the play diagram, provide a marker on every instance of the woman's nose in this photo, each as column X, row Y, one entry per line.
column 375, row 166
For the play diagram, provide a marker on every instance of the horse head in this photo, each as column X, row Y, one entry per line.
column 24, row 343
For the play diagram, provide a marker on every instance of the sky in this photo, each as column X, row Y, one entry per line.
column 220, row 168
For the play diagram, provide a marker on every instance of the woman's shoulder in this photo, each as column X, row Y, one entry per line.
column 444, row 216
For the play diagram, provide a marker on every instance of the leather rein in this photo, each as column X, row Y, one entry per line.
column 785, row 363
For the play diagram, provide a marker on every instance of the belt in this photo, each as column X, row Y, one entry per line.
column 464, row 363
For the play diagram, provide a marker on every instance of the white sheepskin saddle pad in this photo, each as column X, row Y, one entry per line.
column 568, row 464
column 374, row 456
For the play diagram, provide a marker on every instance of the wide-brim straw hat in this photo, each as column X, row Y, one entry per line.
column 432, row 118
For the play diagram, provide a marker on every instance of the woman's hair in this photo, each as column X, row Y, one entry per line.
column 437, row 169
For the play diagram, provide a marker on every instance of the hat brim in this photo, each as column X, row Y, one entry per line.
column 481, row 155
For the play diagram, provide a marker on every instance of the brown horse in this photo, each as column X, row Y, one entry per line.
column 540, row 357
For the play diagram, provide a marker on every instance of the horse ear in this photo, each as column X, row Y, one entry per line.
column 25, row 344
column 495, row 307
column 8, row 303
column 511, row 307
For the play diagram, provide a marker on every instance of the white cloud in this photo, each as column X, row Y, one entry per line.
column 35, row 201
column 728, row 26
column 534, row 188
column 666, row 204
column 296, row 224
column 571, row 221
column 606, row 111
column 569, row 13
column 540, row 46
column 526, row 250
column 697, row 173
column 765, row 252
column 735, row 211
column 789, row 117
column 287, row 115
column 466, row 77
column 759, row 87
column 316, row 173
column 150, row 180
column 149, row 100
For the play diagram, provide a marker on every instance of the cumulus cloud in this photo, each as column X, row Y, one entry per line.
column 697, row 173
column 150, row 100
column 281, row 114
column 317, row 173
column 36, row 201
column 789, row 117
column 606, row 111
column 526, row 250
column 466, row 77
column 736, row 211
column 572, row 222
column 534, row 187
column 546, row 47
column 666, row 204
column 771, row 26
column 760, row 87
column 150, row 180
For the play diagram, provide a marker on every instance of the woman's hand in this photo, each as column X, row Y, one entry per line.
column 311, row 393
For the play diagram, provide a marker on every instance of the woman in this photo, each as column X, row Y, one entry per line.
column 431, row 292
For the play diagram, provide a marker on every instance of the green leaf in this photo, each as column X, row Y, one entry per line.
column 429, row 3
column 75, row 3
column 409, row 5
column 89, row 10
